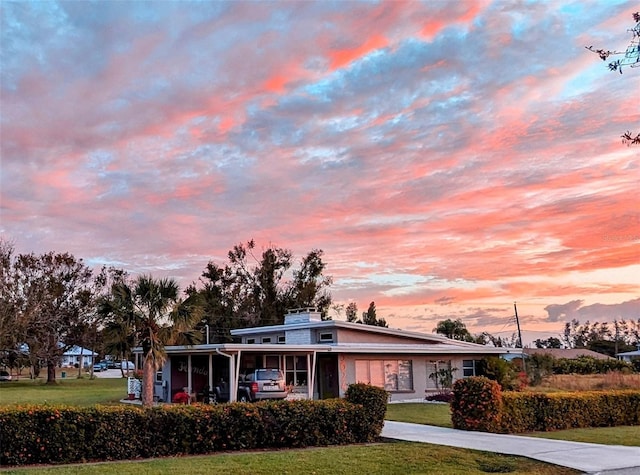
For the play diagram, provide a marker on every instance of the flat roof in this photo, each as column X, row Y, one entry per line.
column 354, row 348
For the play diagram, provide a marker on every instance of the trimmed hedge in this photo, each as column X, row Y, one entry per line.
column 374, row 402
column 528, row 412
column 479, row 405
column 476, row 404
column 63, row 434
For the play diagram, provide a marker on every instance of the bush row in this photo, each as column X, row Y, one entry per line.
column 479, row 404
column 62, row 434
column 527, row 412
column 589, row 365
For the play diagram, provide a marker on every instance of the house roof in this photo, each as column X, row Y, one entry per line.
column 377, row 348
column 570, row 353
column 77, row 350
column 328, row 324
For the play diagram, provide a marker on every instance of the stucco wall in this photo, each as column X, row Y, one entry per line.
column 347, row 371
column 354, row 336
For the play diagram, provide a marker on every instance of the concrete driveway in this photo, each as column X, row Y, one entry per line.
column 110, row 373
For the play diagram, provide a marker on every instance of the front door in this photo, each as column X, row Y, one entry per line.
column 328, row 376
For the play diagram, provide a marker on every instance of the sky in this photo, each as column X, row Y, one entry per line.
column 449, row 157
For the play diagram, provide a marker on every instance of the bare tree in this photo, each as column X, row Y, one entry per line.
column 630, row 57
column 46, row 300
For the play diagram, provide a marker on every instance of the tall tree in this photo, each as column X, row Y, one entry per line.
column 551, row 342
column 156, row 317
column 252, row 290
column 118, row 336
column 309, row 285
column 50, row 296
column 631, row 58
column 370, row 318
column 454, row 329
column 352, row 312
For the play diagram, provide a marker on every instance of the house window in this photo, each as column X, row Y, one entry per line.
column 439, row 374
column 392, row 375
column 326, row 337
column 282, row 339
column 251, row 341
column 469, row 368
column 158, row 376
column 296, row 371
column 266, row 339
column 272, row 361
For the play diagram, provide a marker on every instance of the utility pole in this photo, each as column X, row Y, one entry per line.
column 524, row 366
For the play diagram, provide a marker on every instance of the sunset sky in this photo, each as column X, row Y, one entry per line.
column 449, row 157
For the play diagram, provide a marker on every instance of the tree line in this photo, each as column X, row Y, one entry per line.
column 608, row 338
column 54, row 301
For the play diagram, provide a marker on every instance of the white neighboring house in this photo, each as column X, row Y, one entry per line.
column 629, row 356
column 72, row 356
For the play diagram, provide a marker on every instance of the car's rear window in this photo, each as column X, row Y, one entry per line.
column 269, row 374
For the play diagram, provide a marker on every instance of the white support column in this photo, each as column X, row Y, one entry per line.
column 234, row 375
column 189, row 374
column 210, row 372
column 312, row 374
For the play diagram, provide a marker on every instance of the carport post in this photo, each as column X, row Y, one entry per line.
column 233, row 378
column 312, row 374
column 189, row 373
column 210, row 372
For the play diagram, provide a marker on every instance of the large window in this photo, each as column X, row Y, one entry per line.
column 296, row 372
column 392, row 375
column 439, row 374
column 469, row 368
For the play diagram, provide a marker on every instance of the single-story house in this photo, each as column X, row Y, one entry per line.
column 321, row 358
column 629, row 356
column 76, row 355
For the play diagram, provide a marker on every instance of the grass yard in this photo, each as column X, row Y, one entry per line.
column 622, row 435
column 399, row 458
column 71, row 391
column 420, row 413
column 438, row 415
column 588, row 382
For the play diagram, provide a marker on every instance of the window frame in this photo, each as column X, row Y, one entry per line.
column 390, row 374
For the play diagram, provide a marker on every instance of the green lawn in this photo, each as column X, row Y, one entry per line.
column 420, row 413
column 399, row 458
column 438, row 415
column 71, row 391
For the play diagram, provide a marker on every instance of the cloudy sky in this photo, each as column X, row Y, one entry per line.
column 449, row 157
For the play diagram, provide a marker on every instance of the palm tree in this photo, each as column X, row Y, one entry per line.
column 454, row 329
column 154, row 315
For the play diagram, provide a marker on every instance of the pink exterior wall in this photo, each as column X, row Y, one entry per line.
column 354, row 336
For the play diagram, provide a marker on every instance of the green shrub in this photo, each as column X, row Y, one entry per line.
column 374, row 402
column 476, row 404
column 589, row 365
column 500, row 370
column 539, row 366
column 61, row 434
column 527, row 412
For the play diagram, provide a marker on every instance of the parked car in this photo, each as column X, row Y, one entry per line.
column 111, row 364
column 127, row 365
column 256, row 385
column 5, row 375
column 100, row 366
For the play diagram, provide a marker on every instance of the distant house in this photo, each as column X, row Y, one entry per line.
column 72, row 357
column 569, row 353
column 629, row 356
column 321, row 358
